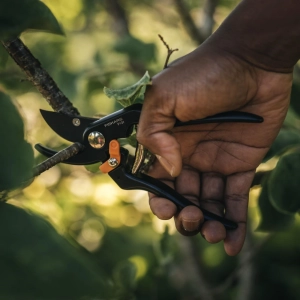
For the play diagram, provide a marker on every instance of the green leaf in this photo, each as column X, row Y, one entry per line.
column 44, row 20
column 286, row 138
column 284, row 183
column 17, row 16
column 16, row 155
column 271, row 219
column 94, row 168
column 129, row 95
column 38, row 263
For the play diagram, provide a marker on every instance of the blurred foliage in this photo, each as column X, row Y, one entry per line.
column 16, row 154
column 77, row 235
column 17, row 16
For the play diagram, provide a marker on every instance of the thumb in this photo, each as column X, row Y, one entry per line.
column 154, row 133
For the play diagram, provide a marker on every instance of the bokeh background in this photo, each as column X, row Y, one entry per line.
column 72, row 233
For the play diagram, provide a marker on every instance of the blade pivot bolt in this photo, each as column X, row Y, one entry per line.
column 113, row 162
column 76, row 122
column 96, row 139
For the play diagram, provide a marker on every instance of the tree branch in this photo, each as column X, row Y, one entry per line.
column 199, row 35
column 39, row 77
column 57, row 158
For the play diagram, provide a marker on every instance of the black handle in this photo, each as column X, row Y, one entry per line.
column 230, row 116
column 120, row 123
column 128, row 181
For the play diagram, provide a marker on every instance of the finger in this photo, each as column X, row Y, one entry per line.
column 154, row 131
column 212, row 194
column 236, row 203
column 188, row 221
column 161, row 207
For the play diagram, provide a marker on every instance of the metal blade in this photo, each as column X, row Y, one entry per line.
column 70, row 128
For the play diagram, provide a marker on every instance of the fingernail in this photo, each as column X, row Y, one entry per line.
column 189, row 225
column 168, row 166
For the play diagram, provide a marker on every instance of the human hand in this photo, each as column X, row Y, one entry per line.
column 212, row 165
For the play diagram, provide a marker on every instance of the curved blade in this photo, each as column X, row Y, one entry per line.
column 70, row 128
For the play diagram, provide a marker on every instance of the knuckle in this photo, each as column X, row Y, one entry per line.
column 236, row 198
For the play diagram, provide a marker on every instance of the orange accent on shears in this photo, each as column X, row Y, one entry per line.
column 114, row 153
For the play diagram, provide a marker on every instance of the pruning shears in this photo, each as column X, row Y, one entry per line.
column 99, row 138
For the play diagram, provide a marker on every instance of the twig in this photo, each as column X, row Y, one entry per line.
column 39, row 77
column 170, row 51
column 57, row 158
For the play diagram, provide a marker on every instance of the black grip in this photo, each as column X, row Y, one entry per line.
column 128, row 181
column 230, row 116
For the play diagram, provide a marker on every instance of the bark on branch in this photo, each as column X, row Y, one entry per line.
column 57, row 158
column 39, row 77
column 49, row 90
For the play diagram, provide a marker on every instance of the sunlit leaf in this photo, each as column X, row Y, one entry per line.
column 270, row 218
column 16, row 155
column 131, row 94
column 284, row 187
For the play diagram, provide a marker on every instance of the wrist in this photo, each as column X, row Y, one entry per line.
column 265, row 34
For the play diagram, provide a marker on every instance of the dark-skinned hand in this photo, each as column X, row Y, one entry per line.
column 212, row 165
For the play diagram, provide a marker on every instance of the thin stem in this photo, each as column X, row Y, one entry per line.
column 170, row 51
column 57, row 158
column 39, row 77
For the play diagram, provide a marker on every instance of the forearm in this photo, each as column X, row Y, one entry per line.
column 265, row 33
